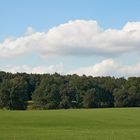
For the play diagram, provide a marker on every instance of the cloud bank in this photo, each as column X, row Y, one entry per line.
column 78, row 38
column 108, row 67
column 38, row 69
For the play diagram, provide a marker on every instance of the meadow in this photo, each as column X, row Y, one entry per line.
column 71, row 124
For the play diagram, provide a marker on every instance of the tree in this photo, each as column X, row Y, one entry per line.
column 46, row 91
column 120, row 97
column 13, row 94
column 90, row 100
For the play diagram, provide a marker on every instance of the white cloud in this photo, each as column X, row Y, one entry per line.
column 79, row 38
column 83, row 37
column 38, row 69
column 109, row 67
column 132, row 26
column 14, row 47
column 29, row 31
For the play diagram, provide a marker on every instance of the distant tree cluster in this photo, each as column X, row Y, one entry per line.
column 20, row 91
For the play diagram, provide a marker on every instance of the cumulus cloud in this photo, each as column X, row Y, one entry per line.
column 10, row 48
column 59, row 68
column 109, row 67
column 78, row 38
column 83, row 37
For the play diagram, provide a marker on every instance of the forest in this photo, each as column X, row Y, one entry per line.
column 21, row 91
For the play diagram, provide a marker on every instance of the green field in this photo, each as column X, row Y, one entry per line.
column 82, row 124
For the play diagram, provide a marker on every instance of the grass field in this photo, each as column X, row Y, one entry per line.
column 82, row 124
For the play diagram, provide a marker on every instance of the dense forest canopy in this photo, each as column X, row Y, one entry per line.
column 46, row 91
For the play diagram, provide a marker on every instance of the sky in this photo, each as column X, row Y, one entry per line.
column 91, row 37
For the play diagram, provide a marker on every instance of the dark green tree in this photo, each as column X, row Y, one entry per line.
column 13, row 94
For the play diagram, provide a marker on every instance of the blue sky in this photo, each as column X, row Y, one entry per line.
column 42, row 15
column 17, row 15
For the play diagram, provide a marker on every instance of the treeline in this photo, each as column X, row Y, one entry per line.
column 36, row 91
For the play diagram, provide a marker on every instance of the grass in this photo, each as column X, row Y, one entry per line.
column 82, row 124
